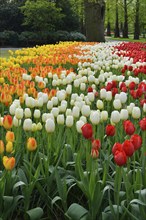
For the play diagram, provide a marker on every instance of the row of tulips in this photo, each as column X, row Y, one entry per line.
column 73, row 132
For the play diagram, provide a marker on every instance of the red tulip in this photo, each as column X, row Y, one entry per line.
column 96, row 144
column 110, row 130
column 136, row 141
column 129, row 127
column 7, row 122
column 117, row 147
column 87, row 131
column 120, row 158
column 132, row 85
column 142, row 124
column 90, row 89
column 128, row 148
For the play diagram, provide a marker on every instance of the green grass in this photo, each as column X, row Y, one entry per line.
column 130, row 39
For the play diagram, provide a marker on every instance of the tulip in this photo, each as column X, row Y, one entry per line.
column 142, row 124
column 95, row 117
column 27, row 124
column 39, row 126
column 110, row 130
column 34, row 127
column 128, row 148
column 19, row 113
column 2, row 148
column 136, row 112
column 55, row 111
column 96, row 144
column 60, row 119
column 136, row 141
column 27, row 112
column 129, row 127
column 116, row 147
column 94, row 153
column 115, row 117
column 117, row 104
column 8, row 162
column 50, row 125
column 10, row 136
column 9, row 147
column 79, row 125
column 7, row 122
column 16, row 122
column 69, row 121
column 37, row 113
column 124, row 114
column 120, row 158
column 104, row 115
column 31, row 144
column 75, row 111
column 87, row 131
column 85, row 110
column 99, row 104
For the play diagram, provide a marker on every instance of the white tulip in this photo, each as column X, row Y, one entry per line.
column 45, row 98
column 12, row 109
column 85, row 110
column 50, row 125
column 82, row 86
column 104, row 115
column 49, row 105
column 123, row 97
column 54, row 100
column 115, row 117
column 117, row 104
column 102, row 93
column 27, row 124
column 69, row 121
column 136, row 112
column 19, row 113
column 61, row 95
column 39, row 126
column 95, row 117
column 76, row 111
column 60, row 119
column 16, row 122
column 91, row 96
column 108, row 96
column 37, row 113
column 124, row 114
column 68, row 112
column 74, row 96
column 144, row 107
column 55, row 111
column 40, row 102
column 79, row 124
column 76, row 83
column 27, row 112
column 34, row 127
column 69, row 89
column 30, row 102
column 99, row 104
column 83, row 118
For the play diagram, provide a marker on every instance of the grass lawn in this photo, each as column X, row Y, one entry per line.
column 130, row 39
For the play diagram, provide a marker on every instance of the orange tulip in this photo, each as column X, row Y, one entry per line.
column 8, row 162
column 10, row 136
column 1, row 147
column 7, row 122
column 31, row 144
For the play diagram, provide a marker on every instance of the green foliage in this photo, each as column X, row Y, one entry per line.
column 41, row 15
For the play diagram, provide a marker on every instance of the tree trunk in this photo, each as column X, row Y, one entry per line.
column 94, row 20
column 125, row 29
column 108, row 29
column 117, row 32
column 136, row 24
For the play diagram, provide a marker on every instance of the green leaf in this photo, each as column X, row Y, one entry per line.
column 8, row 201
column 22, row 176
column 76, row 212
column 56, row 198
column 137, row 201
column 20, row 183
column 35, row 214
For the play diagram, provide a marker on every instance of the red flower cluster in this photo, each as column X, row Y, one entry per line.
column 87, row 132
column 122, row 151
column 112, row 86
column 129, row 127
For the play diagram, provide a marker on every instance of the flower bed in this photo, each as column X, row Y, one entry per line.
column 73, row 132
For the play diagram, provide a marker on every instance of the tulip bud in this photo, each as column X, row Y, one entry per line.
column 87, row 131
column 50, row 125
column 60, row 119
column 95, row 117
column 117, row 104
column 34, row 127
column 104, row 115
column 124, row 114
column 37, row 113
column 16, row 122
column 10, row 136
column 19, row 113
column 76, row 112
column 55, row 111
column 27, row 112
column 99, row 104
column 85, row 110
column 79, row 125
column 115, row 117
column 136, row 112
column 27, row 124
column 69, row 121
column 7, row 122
column 102, row 93
column 9, row 147
column 39, row 126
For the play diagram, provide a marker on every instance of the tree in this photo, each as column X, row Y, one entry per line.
column 94, row 20
column 117, row 32
column 136, row 23
column 125, row 28
column 41, row 15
